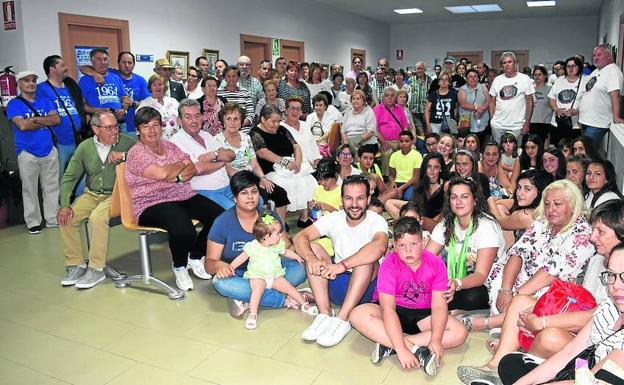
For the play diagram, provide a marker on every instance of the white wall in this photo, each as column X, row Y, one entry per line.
column 546, row 39
column 192, row 25
column 12, row 51
column 609, row 21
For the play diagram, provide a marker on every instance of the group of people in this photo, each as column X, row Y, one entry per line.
column 492, row 200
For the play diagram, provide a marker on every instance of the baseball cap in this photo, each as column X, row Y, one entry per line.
column 22, row 74
column 164, row 63
column 449, row 59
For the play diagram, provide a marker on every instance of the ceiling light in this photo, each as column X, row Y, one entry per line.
column 407, row 11
column 487, row 8
column 461, row 9
column 544, row 3
column 479, row 8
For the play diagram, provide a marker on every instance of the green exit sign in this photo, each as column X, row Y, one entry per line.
column 276, row 47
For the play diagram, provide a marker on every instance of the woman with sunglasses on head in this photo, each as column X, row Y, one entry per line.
column 592, row 327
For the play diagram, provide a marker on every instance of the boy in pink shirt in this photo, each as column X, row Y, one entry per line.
column 410, row 318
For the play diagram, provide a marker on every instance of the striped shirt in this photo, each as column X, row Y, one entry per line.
column 242, row 98
column 605, row 317
column 284, row 91
column 418, row 94
column 253, row 86
column 378, row 89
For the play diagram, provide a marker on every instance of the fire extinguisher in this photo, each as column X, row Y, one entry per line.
column 8, row 86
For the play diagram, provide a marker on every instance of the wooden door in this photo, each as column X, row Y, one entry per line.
column 258, row 48
column 292, row 50
column 89, row 31
column 474, row 57
column 522, row 58
column 361, row 53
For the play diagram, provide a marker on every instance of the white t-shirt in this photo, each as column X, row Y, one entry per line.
column 216, row 179
column 487, row 234
column 318, row 87
column 303, row 136
column 510, row 94
column 349, row 240
column 595, row 109
column 609, row 195
column 358, row 124
column 563, row 93
column 345, row 100
column 331, row 116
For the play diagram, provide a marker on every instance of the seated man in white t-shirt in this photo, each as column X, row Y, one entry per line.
column 511, row 105
column 359, row 239
column 211, row 180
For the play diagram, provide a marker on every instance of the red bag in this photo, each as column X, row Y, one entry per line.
column 561, row 297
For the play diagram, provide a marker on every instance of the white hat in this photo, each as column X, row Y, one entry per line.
column 22, row 74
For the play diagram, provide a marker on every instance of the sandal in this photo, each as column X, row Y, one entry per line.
column 251, row 321
column 309, row 309
column 492, row 345
column 467, row 320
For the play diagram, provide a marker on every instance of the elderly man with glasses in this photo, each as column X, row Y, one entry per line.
column 96, row 157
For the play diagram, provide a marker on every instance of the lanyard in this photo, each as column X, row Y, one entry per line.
column 457, row 264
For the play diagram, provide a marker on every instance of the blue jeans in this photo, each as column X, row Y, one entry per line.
column 408, row 193
column 223, row 196
column 596, row 134
column 238, row 287
column 65, row 152
column 338, row 289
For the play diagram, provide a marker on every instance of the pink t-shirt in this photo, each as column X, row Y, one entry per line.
column 386, row 124
column 147, row 192
column 411, row 289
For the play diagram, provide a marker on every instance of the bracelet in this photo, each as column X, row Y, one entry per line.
column 459, row 284
column 543, row 322
column 505, row 291
column 344, row 265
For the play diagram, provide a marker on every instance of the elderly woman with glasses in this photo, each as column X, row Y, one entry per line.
column 345, row 155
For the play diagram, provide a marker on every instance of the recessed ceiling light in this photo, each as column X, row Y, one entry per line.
column 479, row 8
column 407, row 11
column 461, row 9
column 544, row 3
column 487, row 8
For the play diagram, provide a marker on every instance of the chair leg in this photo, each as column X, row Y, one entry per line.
column 146, row 271
column 113, row 273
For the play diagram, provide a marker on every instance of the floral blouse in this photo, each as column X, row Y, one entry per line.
column 212, row 124
column 563, row 255
column 169, row 112
column 244, row 153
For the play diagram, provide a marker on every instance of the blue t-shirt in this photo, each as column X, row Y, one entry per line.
column 64, row 130
column 36, row 142
column 227, row 231
column 107, row 95
column 136, row 89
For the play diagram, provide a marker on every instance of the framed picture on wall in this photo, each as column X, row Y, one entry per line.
column 179, row 59
column 212, row 55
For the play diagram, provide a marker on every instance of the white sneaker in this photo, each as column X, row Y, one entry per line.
column 320, row 323
column 197, row 265
column 183, row 280
column 334, row 333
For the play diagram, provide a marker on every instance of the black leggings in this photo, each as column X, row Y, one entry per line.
column 475, row 298
column 278, row 196
column 176, row 218
column 516, row 365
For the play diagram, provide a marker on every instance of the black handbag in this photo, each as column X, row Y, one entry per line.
column 565, row 122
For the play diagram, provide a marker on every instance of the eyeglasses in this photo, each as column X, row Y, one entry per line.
column 110, row 128
column 609, row 277
column 345, row 155
column 192, row 76
column 294, row 108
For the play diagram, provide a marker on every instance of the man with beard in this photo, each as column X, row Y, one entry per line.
column 346, row 275
column 63, row 92
column 511, row 105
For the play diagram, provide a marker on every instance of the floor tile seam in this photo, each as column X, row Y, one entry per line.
column 36, row 370
column 165, row 370
column 136, row 363
column 202, row 361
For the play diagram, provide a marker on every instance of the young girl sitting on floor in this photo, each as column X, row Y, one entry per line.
column 409, row 296
column 265, row 268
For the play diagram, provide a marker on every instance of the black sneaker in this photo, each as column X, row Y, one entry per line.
column 380, row 352
column 34, row 230
column 427, row 360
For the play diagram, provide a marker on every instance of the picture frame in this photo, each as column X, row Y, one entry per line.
column 181, row 59
column 212, row 55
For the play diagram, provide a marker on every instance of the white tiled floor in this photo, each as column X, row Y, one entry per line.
column 55, row 335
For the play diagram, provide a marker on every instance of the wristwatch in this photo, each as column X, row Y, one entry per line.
column 179, row 179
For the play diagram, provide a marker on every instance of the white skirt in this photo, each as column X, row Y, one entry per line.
column 299, row 188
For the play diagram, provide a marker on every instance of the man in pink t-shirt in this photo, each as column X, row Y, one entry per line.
column 410, row 300
column 391, row 120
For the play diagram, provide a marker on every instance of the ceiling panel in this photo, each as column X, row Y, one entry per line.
column 433, row 10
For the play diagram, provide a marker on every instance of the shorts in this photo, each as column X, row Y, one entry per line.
column 409, row 318
column 338, row 289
